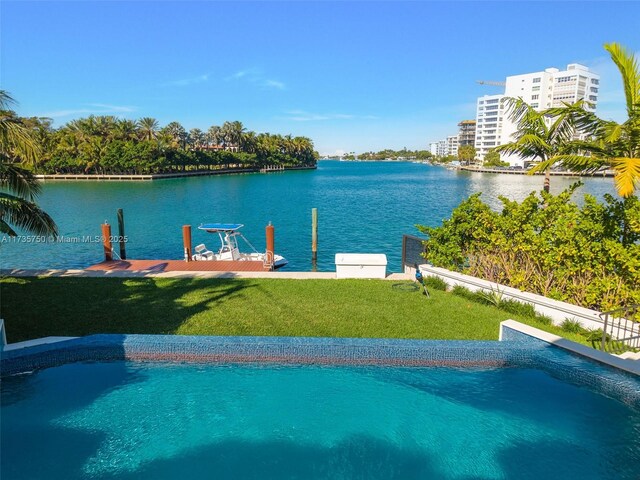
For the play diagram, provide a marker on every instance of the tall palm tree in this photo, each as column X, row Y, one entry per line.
column 148, row 128
column 18, row 186
column 539, row 137
column 214, row 136
column 614, row 145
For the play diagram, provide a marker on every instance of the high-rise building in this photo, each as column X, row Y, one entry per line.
column 541, row 90
column 490, row 113
column 467, row 133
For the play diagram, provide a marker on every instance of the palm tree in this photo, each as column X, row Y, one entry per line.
column 539, row 136
column 214, row 136
column 19, row 187
column 611, row 144
column 148, row 128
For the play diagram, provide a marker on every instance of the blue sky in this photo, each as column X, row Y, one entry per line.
column 352, row 76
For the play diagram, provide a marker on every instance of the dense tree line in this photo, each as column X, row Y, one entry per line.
column 109, row 145
column 389, row 154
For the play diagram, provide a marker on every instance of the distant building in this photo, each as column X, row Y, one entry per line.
column 489, row 119
column 433, row 148
column 467, row 133
column 541, row 90
column 452, row 145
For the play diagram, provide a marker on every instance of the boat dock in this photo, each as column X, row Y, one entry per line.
column 162, row 266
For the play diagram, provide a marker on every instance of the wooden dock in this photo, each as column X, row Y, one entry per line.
column 161, row 266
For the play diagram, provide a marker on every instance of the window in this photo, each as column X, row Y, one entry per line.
column 593, row 98
column 595, row 81
column 594, row 89
column 534, row 105
column 534, row 97
column 536, row 80
column 536, row 89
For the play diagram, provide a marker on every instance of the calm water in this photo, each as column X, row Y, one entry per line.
column 362, row 207
column 159, row 421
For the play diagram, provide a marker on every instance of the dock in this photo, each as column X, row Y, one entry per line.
column 163, row 176
column 163, row 266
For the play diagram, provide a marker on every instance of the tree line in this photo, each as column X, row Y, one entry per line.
column 110, row 145
column 389, row 154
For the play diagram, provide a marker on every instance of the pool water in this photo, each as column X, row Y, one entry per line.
column 124, row 420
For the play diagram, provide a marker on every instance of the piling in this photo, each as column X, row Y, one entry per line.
column 123, row 251
column 314, row 234
column 271, row 242
column 106, row 241
column 186, row 240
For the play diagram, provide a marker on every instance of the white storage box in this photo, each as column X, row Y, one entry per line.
column 361, row 265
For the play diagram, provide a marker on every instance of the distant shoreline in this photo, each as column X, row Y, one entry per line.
column 162, row 176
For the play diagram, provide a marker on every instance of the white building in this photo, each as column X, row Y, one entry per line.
column 452, row 145
column 541, row 90
column 433, row 148
column 490, row 113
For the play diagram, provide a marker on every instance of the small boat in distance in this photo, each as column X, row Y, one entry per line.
column 229, row 251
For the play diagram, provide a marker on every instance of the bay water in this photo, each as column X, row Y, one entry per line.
column 363, row 207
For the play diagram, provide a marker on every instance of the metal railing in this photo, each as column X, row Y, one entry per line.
column 621, row 329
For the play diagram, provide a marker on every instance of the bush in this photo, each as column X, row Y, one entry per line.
column 464, row 292
column 587, row 255
column 518, row 308
column 436, row 283
column 571, row 325
column 543, row 319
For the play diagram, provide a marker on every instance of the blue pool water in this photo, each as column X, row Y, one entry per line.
column 125, row 420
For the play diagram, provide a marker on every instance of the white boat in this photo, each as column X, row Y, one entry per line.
column 229, row 251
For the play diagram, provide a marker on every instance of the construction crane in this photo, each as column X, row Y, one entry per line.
column 493, row 84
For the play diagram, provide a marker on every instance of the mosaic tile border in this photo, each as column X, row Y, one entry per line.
column 516, row 350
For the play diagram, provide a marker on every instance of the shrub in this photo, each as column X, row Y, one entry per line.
column 436, row 283
column 464, row 292
column 543, row 319
column 588, row 255
column 518, row 308
column 572, row 325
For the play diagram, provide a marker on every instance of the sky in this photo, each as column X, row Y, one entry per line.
column 350, row 75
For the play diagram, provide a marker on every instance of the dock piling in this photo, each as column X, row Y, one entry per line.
column 106, row 241
column 271, row 242
column 314, row 234
column 123, row 251
column 186, row 240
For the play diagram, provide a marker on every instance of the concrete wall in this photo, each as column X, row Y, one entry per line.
column 556, row 310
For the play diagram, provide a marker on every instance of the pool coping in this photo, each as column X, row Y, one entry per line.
column 628, row 365
column 519, row 347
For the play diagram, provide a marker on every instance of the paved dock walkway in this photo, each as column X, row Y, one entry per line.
column 179, row 274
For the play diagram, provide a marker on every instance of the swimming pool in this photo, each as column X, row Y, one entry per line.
column 314, row 408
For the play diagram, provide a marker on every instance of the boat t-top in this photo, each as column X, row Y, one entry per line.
column 229, row 251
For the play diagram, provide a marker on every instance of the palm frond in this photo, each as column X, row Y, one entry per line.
column 25, row 215
column 628, row 66
column 581, row 163
column 19, row 181
column 627, row 175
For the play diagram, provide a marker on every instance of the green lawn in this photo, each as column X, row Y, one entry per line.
column 39, row 307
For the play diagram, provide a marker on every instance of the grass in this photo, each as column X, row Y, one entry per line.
column 39, row 307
